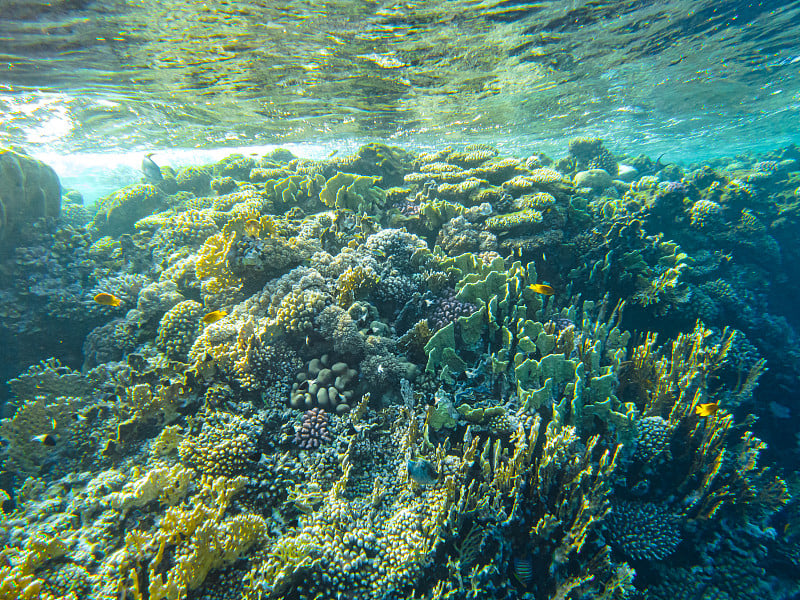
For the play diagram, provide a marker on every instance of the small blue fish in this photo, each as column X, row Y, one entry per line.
column 422, row 472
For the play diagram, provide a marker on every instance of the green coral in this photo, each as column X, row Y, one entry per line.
column 577, row 378
column 388, row 163
column 119, row 211
column 358, row 193
column 496, row 170
column 436, row 213
column 194, row 179
column 236, row 165
column 296, row 191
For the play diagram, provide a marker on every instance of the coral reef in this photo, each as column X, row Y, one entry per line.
column 325, row 384
column 344, row 378
column 29, row 190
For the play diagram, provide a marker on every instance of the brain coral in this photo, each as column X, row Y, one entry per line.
column 29, row 189
column 119, row 211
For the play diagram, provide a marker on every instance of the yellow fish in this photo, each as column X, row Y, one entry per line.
column 107, row 299
column 252, row 227
column 214, row 316
column 706, row 410
column 542, row 288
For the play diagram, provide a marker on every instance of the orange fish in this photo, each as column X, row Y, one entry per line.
column 542, row 288
column 214, row 316
column 107, row 299
column 706, row 410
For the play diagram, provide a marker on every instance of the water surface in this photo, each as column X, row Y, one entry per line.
column 693, row 78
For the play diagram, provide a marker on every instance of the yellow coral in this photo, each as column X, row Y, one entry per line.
column 353, row 283
column 167, row 485
column 520, row 218
column 212, row 263
column 168, row 440
column 203, row 537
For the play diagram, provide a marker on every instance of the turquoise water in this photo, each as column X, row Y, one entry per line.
column 696, row 79
column 371, row 300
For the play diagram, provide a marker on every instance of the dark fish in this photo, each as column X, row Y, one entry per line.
column 151, row 170
column 46, row 439
column 659, row 165
column 422, row 472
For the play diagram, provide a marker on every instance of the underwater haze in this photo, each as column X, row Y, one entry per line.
column 382, row 301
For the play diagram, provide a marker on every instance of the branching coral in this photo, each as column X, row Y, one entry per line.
column 300, row 453
column 200, row 538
